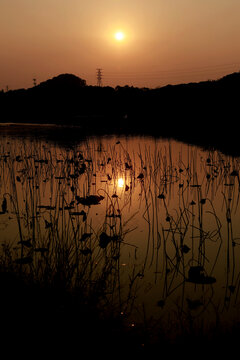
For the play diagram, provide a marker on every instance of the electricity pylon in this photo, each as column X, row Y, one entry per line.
column 99, row 77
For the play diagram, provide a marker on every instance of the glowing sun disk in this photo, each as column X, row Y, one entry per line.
column 119, row 35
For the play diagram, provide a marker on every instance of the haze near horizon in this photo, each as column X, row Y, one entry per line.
column 140, row 43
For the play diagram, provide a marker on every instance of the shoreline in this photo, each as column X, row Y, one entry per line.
column 203, row 114
column 73, row 131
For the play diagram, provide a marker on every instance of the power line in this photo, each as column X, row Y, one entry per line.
column 161, row 77
column 181, row 70
column 199, row 73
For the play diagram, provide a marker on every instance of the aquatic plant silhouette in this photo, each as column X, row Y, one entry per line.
column 79, row 229
column 89, row 200
column 4, row 205
column 197, row 276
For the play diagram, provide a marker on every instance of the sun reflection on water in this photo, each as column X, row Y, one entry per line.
column 120, row 182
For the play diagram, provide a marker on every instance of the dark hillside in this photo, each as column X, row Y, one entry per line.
column 205, row 112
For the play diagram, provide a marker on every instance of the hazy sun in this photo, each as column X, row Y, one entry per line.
column 119, row 36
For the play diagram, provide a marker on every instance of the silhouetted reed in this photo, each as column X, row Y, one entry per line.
column 136, row 227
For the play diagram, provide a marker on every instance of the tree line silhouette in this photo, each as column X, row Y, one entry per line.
column 206, row 112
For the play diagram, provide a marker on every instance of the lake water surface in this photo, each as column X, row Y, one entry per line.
column 153, row 223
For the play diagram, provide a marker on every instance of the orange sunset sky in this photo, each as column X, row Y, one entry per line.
column 158, row 41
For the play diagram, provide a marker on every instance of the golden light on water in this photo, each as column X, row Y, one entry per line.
column 120, row 182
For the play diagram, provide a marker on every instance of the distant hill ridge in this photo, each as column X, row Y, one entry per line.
column 206, row 112
column 68, row 81
column 73, row 81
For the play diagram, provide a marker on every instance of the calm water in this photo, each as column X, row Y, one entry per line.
column 154, row 222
